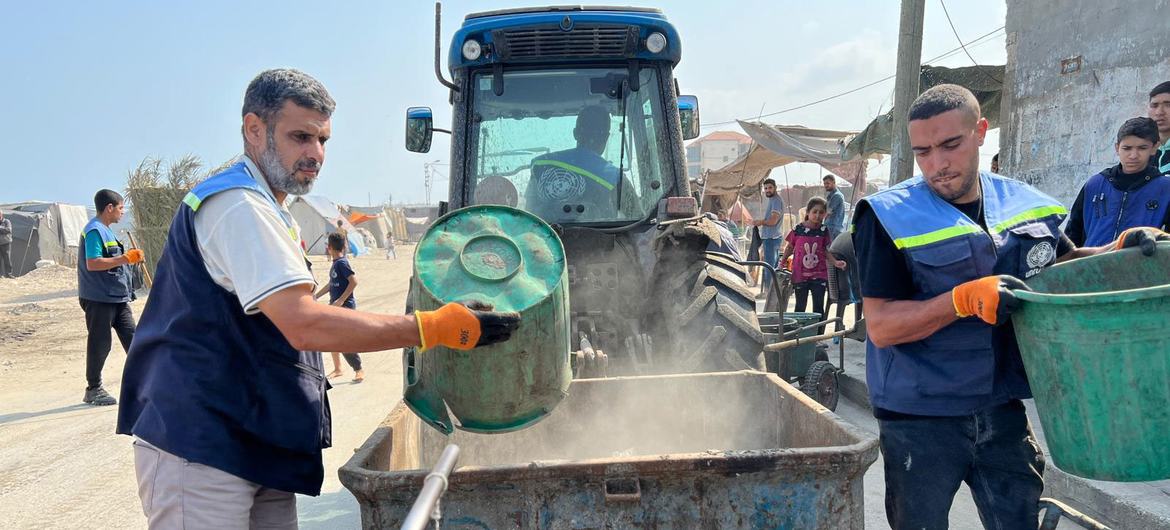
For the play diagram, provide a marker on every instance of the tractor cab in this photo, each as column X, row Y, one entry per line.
column 570, row 113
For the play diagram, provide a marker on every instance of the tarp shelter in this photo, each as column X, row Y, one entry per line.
column 374, row 219
column 418, row 219
column 774, row 146
column 44, row 231
column 317, row 217
column 985, row 81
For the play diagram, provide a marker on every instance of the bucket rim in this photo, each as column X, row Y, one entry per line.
column 1127, row 295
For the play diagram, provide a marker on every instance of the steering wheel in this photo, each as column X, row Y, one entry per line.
column 496, row 190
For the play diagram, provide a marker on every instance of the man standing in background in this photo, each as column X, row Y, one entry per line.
column 835, row 219
column 770, row 229
column 5, row 247
column 105, row 291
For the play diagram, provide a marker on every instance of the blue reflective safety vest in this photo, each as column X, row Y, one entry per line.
column 110, row 286
column 211, row 384
column 1108, row 211
column 968, row 365
column 1162, row 159
column 572, row 177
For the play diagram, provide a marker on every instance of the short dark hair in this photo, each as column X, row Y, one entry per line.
column 1162, row 88
column 1143, row 128
column 336, row 242
column 943, row 98
column 105, row 198
column 767, row 181
column 268, row 91
column 995, row 158
column 829, row 177
column 339, row 222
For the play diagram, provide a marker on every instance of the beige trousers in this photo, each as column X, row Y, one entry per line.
column 178, row 494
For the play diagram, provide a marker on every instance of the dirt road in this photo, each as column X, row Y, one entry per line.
column 62, row 466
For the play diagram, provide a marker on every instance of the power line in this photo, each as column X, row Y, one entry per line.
column 862, row 87
column 961, row 45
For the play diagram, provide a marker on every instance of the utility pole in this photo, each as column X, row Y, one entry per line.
column 429, row 177
column 906, row 87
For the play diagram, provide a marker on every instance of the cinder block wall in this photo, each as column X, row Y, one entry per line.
column 1058, row 128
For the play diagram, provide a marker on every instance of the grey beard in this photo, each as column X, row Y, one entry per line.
column 278, row 177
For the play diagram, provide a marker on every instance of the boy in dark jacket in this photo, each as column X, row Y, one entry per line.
column 1133, row 193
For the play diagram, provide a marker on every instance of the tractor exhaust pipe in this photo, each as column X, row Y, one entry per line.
column 438, row 47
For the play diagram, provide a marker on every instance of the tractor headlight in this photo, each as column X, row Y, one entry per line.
column 656, row 42
column 471, row 49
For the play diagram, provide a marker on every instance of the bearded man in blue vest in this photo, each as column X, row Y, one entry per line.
column 578, row 183
column 104, row 291
column 223, row 390
column 938, row 256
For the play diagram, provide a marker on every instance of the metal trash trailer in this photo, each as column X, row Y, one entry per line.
column 716, row 450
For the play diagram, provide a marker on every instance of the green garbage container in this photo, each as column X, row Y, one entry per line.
column 794, row 362
column 513, row 260
column 1093, row 336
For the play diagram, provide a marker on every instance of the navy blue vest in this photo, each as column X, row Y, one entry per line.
column 967, row 365
column 218, row 387
column 1108, row 211
column 111, row 286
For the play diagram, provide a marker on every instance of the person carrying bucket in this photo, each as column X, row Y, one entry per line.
column 223, row 389
column 938, row 256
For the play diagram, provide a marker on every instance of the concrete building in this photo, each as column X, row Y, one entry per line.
column 714, row 151
column 1076, row 70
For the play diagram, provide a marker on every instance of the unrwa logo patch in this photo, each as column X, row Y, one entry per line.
column 560, row 184
column 1042, row 254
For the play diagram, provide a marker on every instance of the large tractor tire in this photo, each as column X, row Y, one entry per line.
column 709, row 315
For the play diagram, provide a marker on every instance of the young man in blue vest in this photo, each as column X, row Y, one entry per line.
column 1131, row 193
column 938, row 255
column 1159, row 111
column 223, row 390
column 104, row 290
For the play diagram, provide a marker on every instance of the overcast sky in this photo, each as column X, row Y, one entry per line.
column 90, row 88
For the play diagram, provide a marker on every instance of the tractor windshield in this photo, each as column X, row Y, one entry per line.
column 573, row 145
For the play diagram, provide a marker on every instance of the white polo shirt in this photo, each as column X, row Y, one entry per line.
column 248, row 247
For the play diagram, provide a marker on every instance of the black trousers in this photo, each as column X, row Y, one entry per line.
column 6, row 259
column 992, row 451
column 353, row 360
column 100, row 318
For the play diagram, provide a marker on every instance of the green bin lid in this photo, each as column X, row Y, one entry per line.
column 495, row 254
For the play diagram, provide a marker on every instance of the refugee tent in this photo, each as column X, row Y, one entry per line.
column 985, row 81
column 374, row 219
column 777, row 145
column 418, row 219
column 44, row 231
column 317, row 217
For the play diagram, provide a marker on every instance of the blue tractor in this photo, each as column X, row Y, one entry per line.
column 573, row 114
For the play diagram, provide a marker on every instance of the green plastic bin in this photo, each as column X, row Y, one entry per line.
column 1094, row 338
column 514, row 261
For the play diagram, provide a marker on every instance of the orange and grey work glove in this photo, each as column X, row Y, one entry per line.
column 1143, row 236
column 134, row 256
column 990, row 298
column 464, row 326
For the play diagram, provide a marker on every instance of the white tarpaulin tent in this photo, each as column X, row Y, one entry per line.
column 777, row 145
column 44, row 231
column 317, row 217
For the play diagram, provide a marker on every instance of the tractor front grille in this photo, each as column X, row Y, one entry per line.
column 583, row 41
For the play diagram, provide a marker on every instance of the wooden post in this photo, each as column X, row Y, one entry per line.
column 906, row 87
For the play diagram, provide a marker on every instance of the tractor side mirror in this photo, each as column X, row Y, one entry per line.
column 688, row 113
column 419, row 129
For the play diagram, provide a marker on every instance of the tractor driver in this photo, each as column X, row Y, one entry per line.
column 576, row 183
